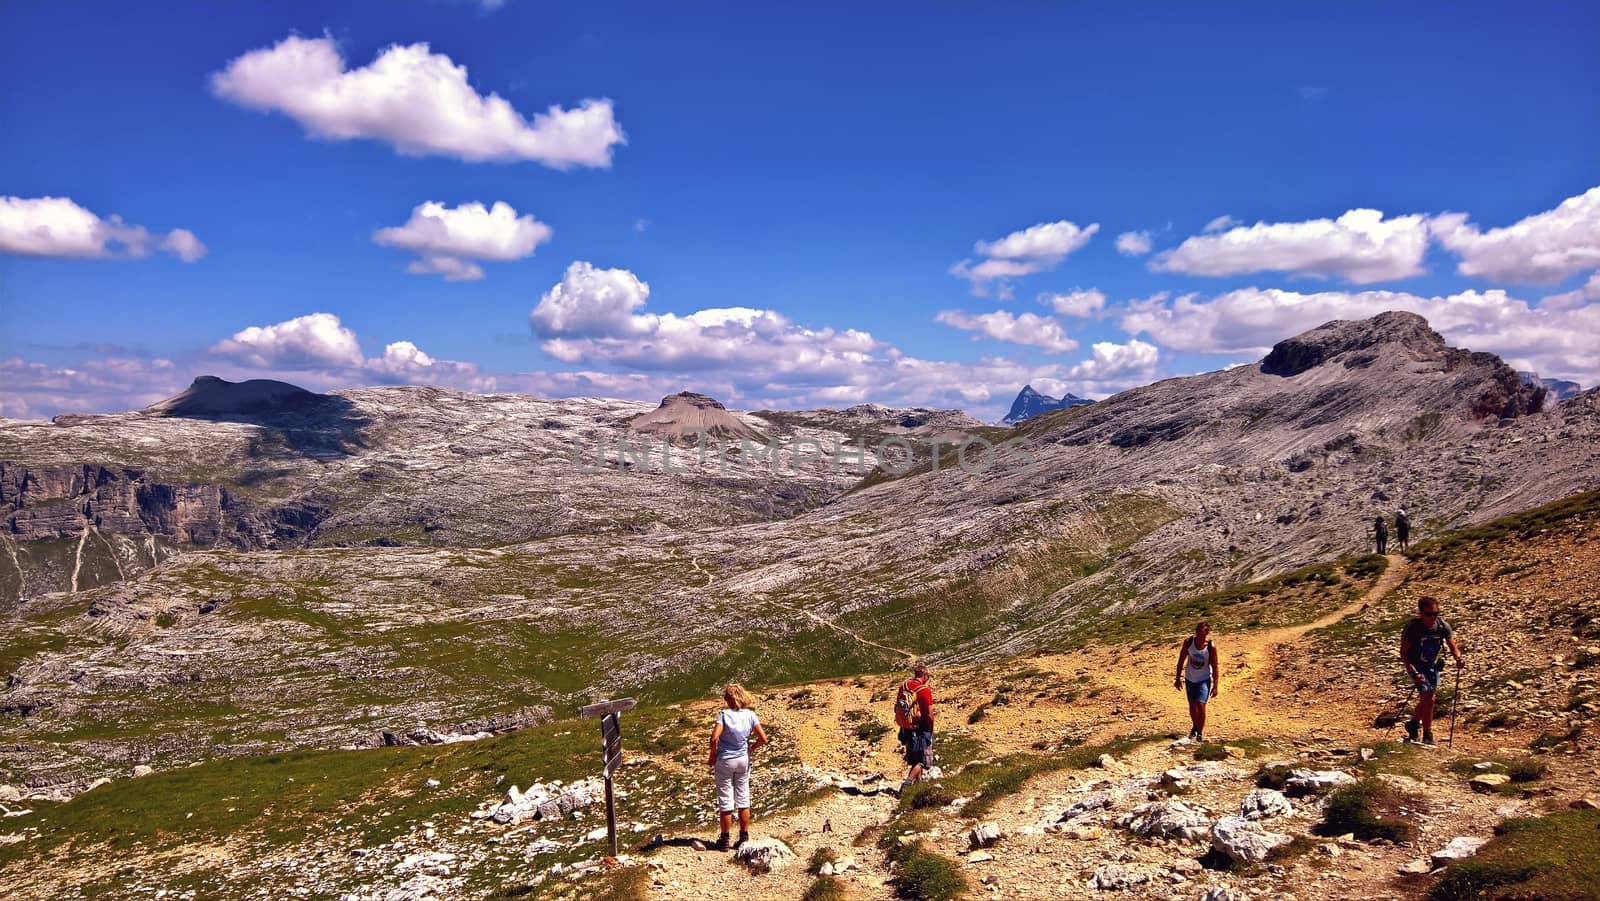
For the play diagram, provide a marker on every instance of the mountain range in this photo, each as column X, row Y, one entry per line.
column 1030, row 403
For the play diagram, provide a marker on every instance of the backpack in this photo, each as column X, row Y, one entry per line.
column 905, row 704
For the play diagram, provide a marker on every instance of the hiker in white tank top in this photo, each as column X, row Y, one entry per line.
column 1199, row 669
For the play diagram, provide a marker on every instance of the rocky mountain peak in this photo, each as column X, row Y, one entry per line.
column 1293, row 356
column 209, row 395
column 1031, row 403
column 688, row 414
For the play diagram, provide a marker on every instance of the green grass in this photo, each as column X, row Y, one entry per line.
column 1549, row 858
column 1293, row 598
column 1518, row 527
column 1370, row 809
column 987, row 782
column 871, row 730
column 825, row 888
column 1210, row 751
column 923, row 875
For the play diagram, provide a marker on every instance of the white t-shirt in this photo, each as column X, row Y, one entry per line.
column 1198, row 667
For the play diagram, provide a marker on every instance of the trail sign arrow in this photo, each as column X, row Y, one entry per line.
column 610, row 715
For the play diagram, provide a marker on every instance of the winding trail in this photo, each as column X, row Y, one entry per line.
column 1246, row 658
column 844, row 631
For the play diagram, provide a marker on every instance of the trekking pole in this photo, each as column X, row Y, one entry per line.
column 1455, row 704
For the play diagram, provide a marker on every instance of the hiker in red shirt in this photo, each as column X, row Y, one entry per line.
column 913, row 713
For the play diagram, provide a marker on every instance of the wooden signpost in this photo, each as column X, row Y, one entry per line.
column 610, row 715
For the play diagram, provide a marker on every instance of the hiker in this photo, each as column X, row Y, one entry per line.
column 1380, row 531
column 730, row 761
column 1402, row 529
column 913, row 713
column 1199, row 668
column 1421, row 645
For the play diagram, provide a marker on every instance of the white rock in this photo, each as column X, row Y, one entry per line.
column 1115, row 878
column 1104, row 799
column 141, row 771
column 1172, row 819
column 1218, row 893
column 763, row 855
column 1318, row 780
column 984, row 835
column 1460, row 848
column 1244, row 840
column 1264, row 803
column 979, row 857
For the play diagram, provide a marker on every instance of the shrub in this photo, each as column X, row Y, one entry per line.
column 820, row 857
column 1370, row 809
column 1527, row 770
column 1210, row 751
column 871, row 730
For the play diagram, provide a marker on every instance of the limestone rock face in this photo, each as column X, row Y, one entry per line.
column 1264, row 803
column 1167, row 819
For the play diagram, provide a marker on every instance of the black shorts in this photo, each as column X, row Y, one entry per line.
column 917, row 742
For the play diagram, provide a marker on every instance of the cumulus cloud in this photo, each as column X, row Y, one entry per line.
column 447, row 238
column 313, row 341
column 1133, row 244
column 1540, row 249
column 58, row 227
column 596, row 315
column 416, row 100
column 1361, row 246
column 1555, row 342
column 1080, row 303
column 1110, row 360
column 1027, row 329
column 1568, row 300
column 1037, row 248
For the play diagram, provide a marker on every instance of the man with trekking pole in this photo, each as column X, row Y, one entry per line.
column 1422, row 646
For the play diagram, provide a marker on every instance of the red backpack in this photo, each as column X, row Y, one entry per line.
column 905, row 704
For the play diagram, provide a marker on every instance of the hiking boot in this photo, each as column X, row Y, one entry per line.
column 722, row 842
column 743, row 837
column 1427, row 737
column 1200, row 738
column 1411, row 729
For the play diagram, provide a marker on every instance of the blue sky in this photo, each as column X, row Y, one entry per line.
column 821, row 171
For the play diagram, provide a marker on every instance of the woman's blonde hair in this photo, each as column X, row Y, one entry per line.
column 736, row 697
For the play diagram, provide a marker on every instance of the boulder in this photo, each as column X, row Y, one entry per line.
column 141, row 771
column 1218, row 893
column 1488, row 782
column 1418, row 867
column 1264, row 804
column 1460, row 848
column 763, row 855
column 1245, row 840
column 1585, row 803
column 984, row 835
column 1168, row 819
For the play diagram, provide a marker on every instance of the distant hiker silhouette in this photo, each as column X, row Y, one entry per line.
column 1199, row 668
column 913, row 713
column 1380, row 532
column 730, row 761
column 1422, row 645
column 1402, row 530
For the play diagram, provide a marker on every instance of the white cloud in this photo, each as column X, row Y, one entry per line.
column 1028, row 329
column 1571, row 299
column 1540, row 249
column 1080, row 303
column 595, row 315
column 1037, row 248
column 1110, row 361
column 1360, row 246
column 58, row 227
column 446, row 239
column 1133, row 244
column 1221, row 223
column 640, row 224
column 416, row 100
column 313, row 341
column 1555, row 342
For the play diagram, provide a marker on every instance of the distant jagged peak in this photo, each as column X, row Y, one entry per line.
column 1304, row 351
column 1031, row 403
column 689, row 413
column 209, row 395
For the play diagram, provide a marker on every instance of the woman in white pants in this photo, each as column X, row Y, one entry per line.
column 730, row 761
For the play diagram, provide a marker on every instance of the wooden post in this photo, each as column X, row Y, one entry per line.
column 610, row 716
